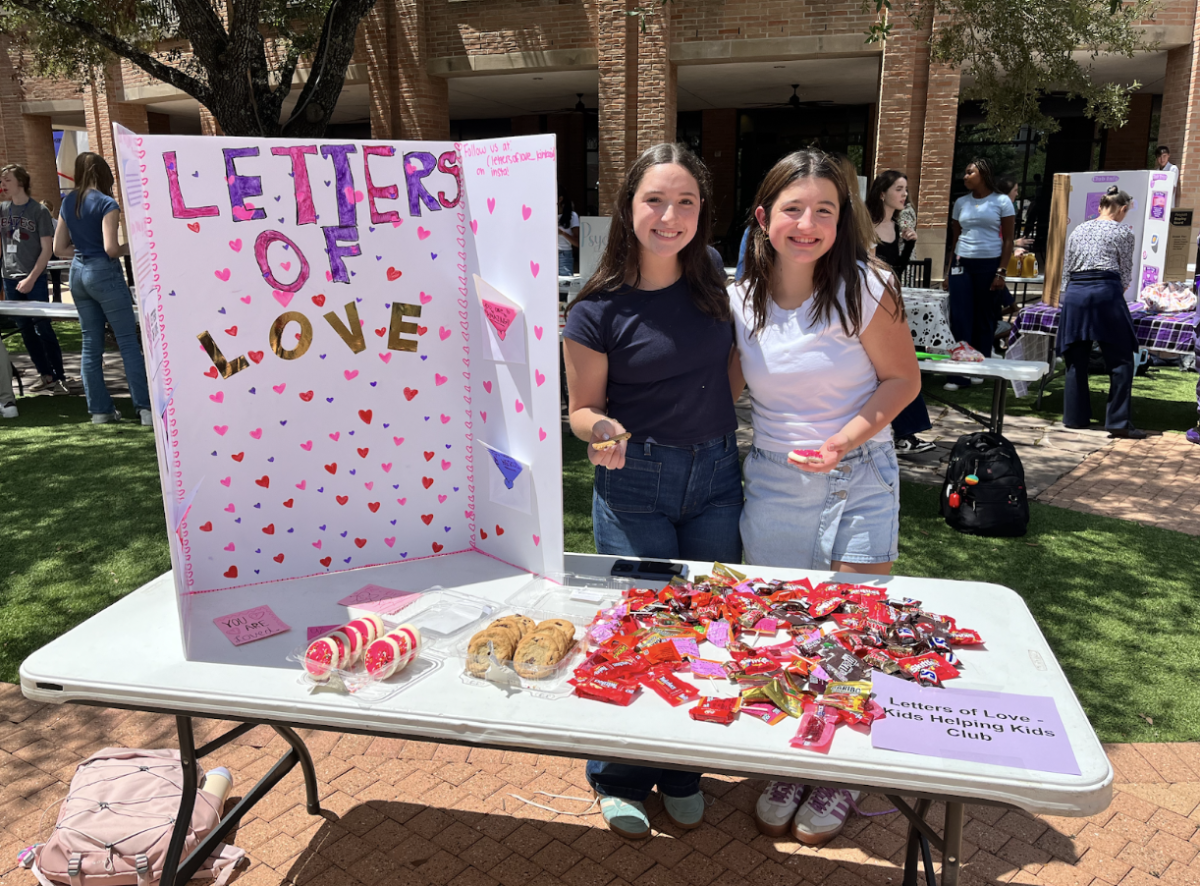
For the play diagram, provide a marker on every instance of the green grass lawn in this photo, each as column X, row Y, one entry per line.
column 82, row 524
column 70, row 338
column 1163, row 400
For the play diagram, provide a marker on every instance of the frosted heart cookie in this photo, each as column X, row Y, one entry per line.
column 601, row 445
column 805, row 457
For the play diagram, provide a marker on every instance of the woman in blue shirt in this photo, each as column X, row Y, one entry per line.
column 981, row 242
column 89, row 220
column 646, row 347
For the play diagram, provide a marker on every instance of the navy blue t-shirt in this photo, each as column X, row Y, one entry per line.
column 668, row 362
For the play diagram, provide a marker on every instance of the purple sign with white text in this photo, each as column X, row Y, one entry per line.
column 999, row 728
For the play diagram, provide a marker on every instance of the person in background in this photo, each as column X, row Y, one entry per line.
column 88, row 220
column 647, row 347
column 568, row 236
column 1162, row 156
column 1193, row 434
column 1097, row 269
column 824, row 348
column 1010, row 187
column 8, row 403
column 886, row 199
column 980, row 245
column 27, row 232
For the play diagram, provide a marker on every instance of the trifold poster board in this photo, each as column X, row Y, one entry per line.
column 353, row 363
column 1148, row 217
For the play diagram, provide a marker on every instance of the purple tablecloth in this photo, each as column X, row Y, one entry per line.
column 1158, row 332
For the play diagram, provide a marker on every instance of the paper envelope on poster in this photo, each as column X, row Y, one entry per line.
column 505, row 323
column 508, row 481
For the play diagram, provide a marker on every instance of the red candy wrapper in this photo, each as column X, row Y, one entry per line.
column 669, row 687
column 661, row 653
column 965, row 637
column 616, row 692
column 929, row 668
column 824, row 607
column 626, row 669
column 759, row 664
column 716, row 710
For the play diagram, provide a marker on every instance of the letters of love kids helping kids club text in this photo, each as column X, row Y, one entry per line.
column 346, row 340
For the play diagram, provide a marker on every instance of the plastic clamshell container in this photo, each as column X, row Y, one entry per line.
column 567, row 596
column 442, row 616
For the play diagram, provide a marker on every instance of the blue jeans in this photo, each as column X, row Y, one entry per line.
column 671, row 502
column 566, row 262
column 38, row 334
column 974, row 306
column 100, row 292
column 667, row 502
column 912, row 419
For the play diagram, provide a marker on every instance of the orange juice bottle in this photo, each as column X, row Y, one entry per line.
column 1027, row 268
column 1014, row 266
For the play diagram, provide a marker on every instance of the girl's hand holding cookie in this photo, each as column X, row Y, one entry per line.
column 831, row 452
column 608, row 455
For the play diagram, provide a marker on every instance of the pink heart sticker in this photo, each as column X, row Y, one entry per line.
column 284, row 298
column 534, row 267
column 443, row 333
column 539, row 377
column 221, row 429
column 483, row 415
column 537, row 332
column 335, row 435
column 218, row 397
column 487, row 386
column 278, row 389
column 402, row 501
column 230, row 547
column 541, row 434
column 245, row 299
column 317, row 544
column 439, row 379
column 525, row 212
column 256, row 433
column 306, row 445
column 236, row 245
column 301, row 485
column 422, row 234
column 491, row 202
column 226, row 481
column 386, row 356
column 350, row 374
column 499, row 315
column 222, row 275
column 425, row 299
column 390, row 541
column 230, row 508
column 474, row 226
column 445, row 418
column 520, row 406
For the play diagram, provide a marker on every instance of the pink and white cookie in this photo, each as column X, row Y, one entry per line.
column 363, row 631
column 391, row 653
column 321, row 657
column 805, row 457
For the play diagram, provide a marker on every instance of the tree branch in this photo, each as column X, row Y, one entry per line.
column 124, row 49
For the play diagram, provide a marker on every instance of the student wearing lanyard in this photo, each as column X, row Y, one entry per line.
column 981, row 242
column 27, row 232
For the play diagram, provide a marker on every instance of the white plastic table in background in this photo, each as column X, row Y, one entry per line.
column 131, row 656
column 1000, row 371
column 48, row 310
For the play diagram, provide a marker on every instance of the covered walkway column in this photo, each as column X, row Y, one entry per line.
column 937, row 164
column 406, row 101
column 903, row 89
column 618, row 70
column 102, row 107
column 1179, row 126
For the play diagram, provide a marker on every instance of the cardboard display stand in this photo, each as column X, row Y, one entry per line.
column 333, row 329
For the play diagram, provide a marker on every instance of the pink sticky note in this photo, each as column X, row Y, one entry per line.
column 718, row 633
column 378, row 599
column 702, row 667
column 315, row 631
column 500, row 316
column 687, row 646
column 250, row 625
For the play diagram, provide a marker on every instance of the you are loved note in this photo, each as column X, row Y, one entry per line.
column 250, row 625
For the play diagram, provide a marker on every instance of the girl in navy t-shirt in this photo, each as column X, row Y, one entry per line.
column 647, row 347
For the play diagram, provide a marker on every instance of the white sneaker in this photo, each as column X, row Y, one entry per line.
column 58, row 387
column 951, row 386
column 147, row 416
column 103, row 418
column 823, row 815
column 976, row 381
column 45, row 383
column 776, row 806
column 8, row 410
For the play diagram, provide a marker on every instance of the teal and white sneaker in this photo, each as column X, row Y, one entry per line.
column 685, row 812
column 626, row 818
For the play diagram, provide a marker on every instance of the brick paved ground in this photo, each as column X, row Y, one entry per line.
column 1149, row 481
column 404, row 812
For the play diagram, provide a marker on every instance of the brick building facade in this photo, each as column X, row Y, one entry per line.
column 443, row 68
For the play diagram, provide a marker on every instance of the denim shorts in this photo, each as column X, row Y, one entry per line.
column 805, row 521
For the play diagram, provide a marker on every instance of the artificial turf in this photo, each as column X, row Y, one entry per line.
column 83, row 525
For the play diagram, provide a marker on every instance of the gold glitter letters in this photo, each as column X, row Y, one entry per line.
column 352, row 336
column 302, row 345
column 399, row 325
column 214, row 353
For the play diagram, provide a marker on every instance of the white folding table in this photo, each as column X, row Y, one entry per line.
column 131, row 656
column 43, row 309
column 1000, row 371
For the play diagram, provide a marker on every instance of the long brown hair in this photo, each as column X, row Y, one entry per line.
column 839, row 267
column 91, row 171
column 882, row 184
column 621, row 260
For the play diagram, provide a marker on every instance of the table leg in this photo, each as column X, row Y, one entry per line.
column 56, row 284
column 953, row 839
column 999, row 392
column 187, row 802
column 312, row 795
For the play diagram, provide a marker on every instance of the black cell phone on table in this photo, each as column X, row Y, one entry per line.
column 650, row 570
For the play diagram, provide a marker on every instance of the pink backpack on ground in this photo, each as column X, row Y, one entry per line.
column 114, row 826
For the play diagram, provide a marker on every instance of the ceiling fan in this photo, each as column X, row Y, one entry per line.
column 578, row 108
column 795, row 102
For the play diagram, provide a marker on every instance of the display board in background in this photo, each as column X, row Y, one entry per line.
column 1148, row 217
column 346, row 340
column 593, row 238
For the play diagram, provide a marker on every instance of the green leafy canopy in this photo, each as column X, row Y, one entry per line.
column 1013, row 52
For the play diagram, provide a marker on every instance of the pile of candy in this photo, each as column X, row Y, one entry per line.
column 834, row 635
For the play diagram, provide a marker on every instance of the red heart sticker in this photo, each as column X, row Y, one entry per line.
column 393, row 274
column 332, row 468
column 342, row 499
column 269, row 529
column 306, row 396
column 374, row 506
column 238, row 456
column 427, row 519
column 325, row 561
column 360, row 541
column 437, row 548
column 319, row 300
column 256, row 356
column 288, row 503
column 231, row 572
column 499, row 531
column 206, row 527
column 365, row 415
column 409, row 393
column 427, row 482
column 264, row 482
column 278, row 558
column 211, row 372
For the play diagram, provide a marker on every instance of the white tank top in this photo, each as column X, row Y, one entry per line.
column 806, row 378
